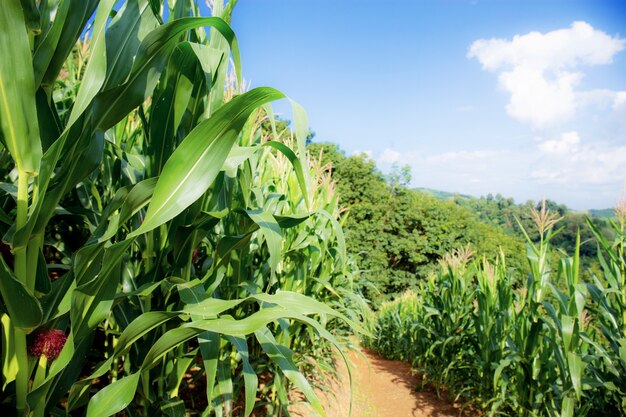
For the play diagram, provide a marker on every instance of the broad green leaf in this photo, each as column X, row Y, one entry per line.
column 282, row 356
column 92, row 301
column 79, row 13
column 48, row 41
column 270, row 230
column 9, row 360
column 292, row 220
column 137, row 198
column 576, row 369
column 114, row 397
column 173, row 408
column 194, row 165
column 23, row 308
column 170, row 105
column 141, row 326
column 567, row 407
column 298, row 165
column 250, row 378
column 568, row 328
column 18, row 113
column 130, row 26
column 95, row 72
column 210, row 307
column 210, row 349
column 58, row 300
column 113, row 104
column 303, row 305
column 223, row 396
column 301, row 124
column 31, row 13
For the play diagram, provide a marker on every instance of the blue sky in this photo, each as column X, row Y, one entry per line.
column 524, row 98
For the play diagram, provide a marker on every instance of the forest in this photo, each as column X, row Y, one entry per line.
column 407, row 232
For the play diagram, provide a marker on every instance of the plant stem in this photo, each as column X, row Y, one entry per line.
column 21, row 261
column 22, row 214
column 21, row 379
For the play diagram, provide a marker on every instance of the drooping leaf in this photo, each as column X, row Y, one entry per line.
column 282, row 356
column 195, row 164
column 22, row 305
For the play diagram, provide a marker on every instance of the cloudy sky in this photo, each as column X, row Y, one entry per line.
column 523, row 98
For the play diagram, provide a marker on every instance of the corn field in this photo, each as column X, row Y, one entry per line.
column 168, row 248
column 552, row 346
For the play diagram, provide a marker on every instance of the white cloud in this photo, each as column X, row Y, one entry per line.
column 619, row 100
column 541, row 71
column 568, row 143
column 390, row 156
column 459, row 156
column 567, row 167
column 571, row 161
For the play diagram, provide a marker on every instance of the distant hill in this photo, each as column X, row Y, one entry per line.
column 446, row 195
column 443, row 195
column 602, row 213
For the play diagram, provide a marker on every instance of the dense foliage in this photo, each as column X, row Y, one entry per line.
column 162, row 252
column 398, row 235
column 504, row 213
column 554, row 346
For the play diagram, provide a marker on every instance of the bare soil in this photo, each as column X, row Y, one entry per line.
column 382, row 388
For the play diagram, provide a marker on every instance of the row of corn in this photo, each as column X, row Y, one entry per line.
column 552, row 345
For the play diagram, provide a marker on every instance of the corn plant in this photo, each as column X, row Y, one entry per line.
column 128, row 173
column 553, row 347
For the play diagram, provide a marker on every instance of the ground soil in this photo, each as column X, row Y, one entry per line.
column 382, row 388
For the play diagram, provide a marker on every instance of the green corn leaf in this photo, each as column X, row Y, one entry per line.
column 79, row 13
column 223, row 326
column 114, row 397
column 46, row 47
column 18, row 113
column 567, row 406
column 250, row 378
column 302, row 305
column 292, row 220
column 23, row 307
column 173, row 408
column 92, row 301
column 113, row 104
column 224, row 388
column 194, row 165
column 168, row 341
column 130, row 26
column 282, row 356
column 58, row 300
column 31, row 13
column 141, row 326
column 568, row 328
column 171, row 104
column 210, row 307
column 95, row 72
column 270, row 230
column 9, row 360
column 210, row 349
column 297, row 166
column 576, row 367
column 301, row 124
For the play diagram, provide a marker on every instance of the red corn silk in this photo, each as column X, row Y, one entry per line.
column 48, row 343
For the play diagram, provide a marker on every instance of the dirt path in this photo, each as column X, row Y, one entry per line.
column 382, row 388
